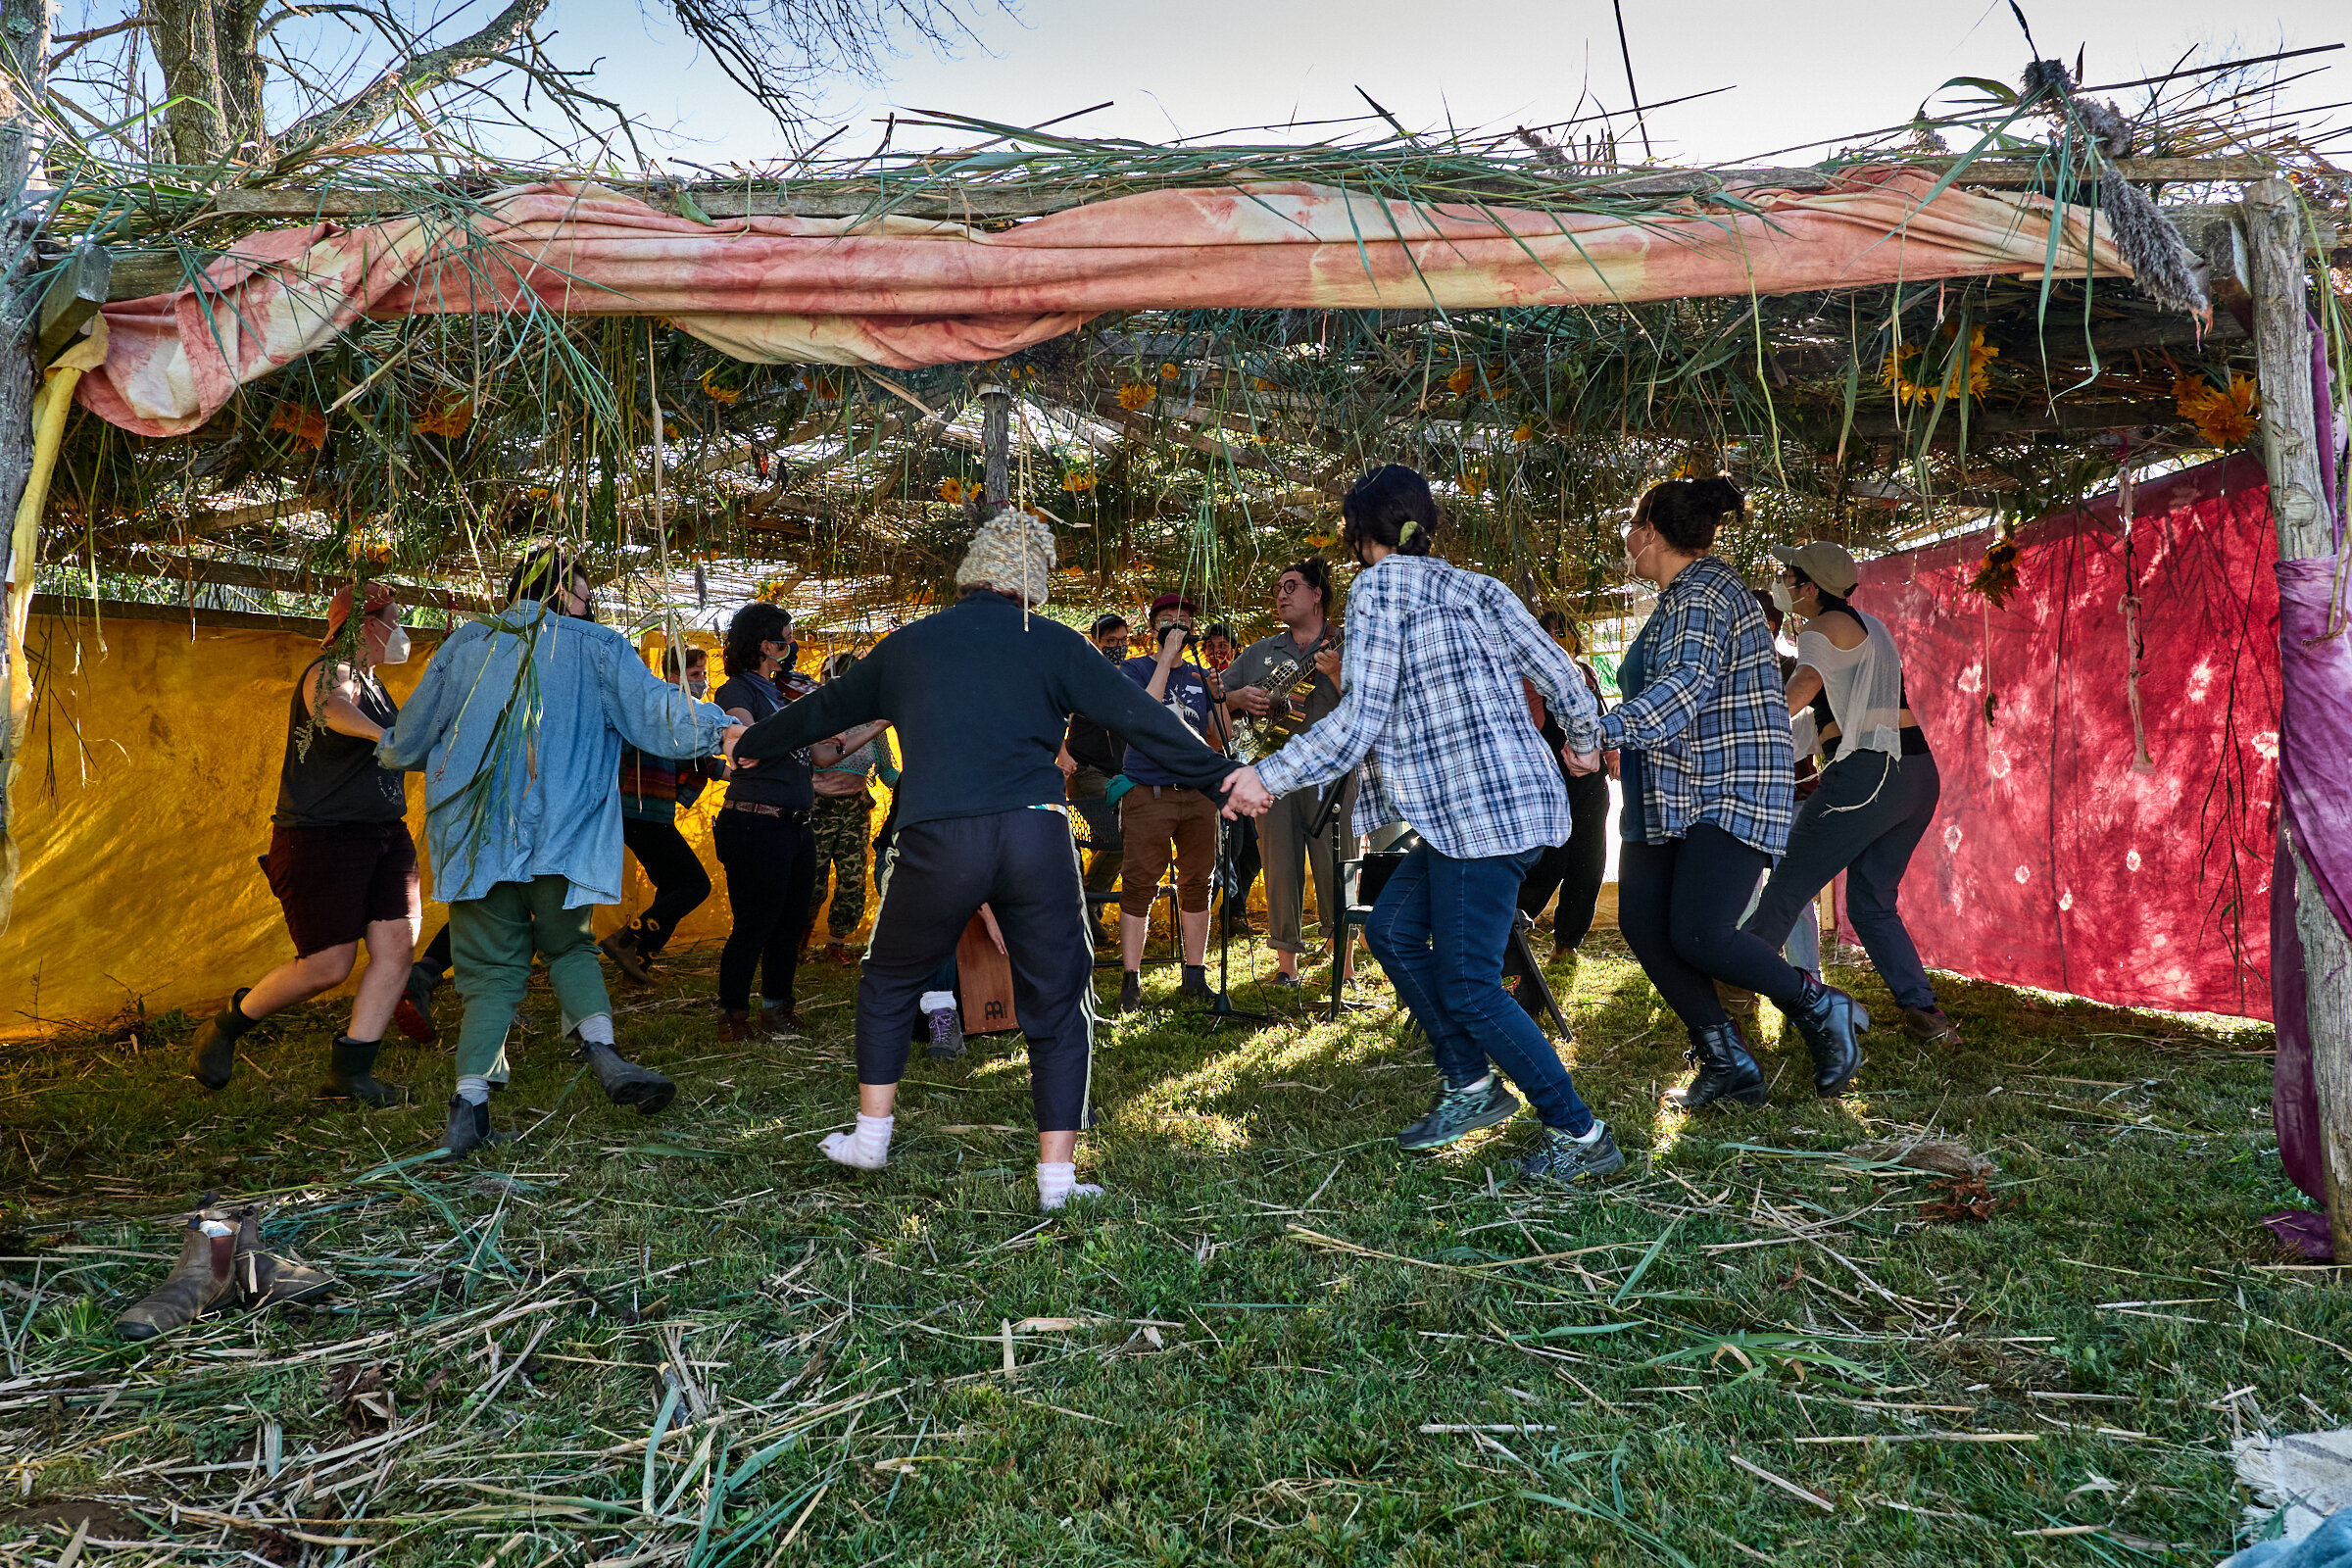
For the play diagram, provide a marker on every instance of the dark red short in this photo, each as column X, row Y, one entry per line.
column 335, row 882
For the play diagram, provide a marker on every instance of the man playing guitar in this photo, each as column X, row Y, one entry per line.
column 1280, row 685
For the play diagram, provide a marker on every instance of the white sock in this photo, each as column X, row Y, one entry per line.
column 1058, row 1183
column 1469, row 1089
column 475, row 1089
column 867, row 1149
column 937, row 1001
column 597, row 1031
column 1594, row 1136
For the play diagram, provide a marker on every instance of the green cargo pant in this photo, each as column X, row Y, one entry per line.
column 492, row 938
column 842, row 823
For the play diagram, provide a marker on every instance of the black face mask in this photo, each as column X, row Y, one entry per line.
column 1114, row 655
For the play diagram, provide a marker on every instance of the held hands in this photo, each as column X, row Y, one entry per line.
column 726, row 745
column 1246, row 795
column 1581, row 763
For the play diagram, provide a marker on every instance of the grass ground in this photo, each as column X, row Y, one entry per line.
column 1277, row 1341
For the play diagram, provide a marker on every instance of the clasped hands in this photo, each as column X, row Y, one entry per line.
column 1246, row 795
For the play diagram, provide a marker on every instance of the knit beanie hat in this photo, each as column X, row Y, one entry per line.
column 1014, row 553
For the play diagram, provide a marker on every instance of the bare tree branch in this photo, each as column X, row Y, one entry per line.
column 78, row 40
column 381, row 98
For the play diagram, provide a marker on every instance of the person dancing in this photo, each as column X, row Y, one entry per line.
column 1703, row 755
column 1461, row 762
column 980, row 693
column 762, row 836
column 1878, row 794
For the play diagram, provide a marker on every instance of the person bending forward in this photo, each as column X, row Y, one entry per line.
column 1461, row 762
column 979, row 693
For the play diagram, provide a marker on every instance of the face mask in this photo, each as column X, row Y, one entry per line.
column 1781, row 597
column 396, row 647
column 1633, row 557
column 698, row 685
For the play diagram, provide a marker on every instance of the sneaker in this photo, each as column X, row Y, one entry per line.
column 1131, row 993
column 1458, row 1112
column 1559, row 1157
column 946, row 1040
column 1286, row 982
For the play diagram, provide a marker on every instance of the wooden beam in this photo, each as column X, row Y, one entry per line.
column 2301, row 504
column 74, row 297
column 1983, row 422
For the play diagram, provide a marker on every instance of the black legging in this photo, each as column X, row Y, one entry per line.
column 1679, row 905
column 772, row 870
column 1574, row 869
column 680, row 884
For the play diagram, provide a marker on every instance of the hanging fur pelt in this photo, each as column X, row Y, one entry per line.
column 2162, row 264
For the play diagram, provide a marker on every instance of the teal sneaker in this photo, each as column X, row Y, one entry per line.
column 1458, row 1112
column 1559, row 1157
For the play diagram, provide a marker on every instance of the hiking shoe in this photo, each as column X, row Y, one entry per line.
column 946, row 1041
column 1726, row 1070
column 621, row 948
column 414, row 1016
column 350, row 1075
column 737, row 1027
column 1559, row 1157
column 1831, row 1023
column 1458, row 1112
column 1930, row 1027
column 1131, row 991
column 627, row 1083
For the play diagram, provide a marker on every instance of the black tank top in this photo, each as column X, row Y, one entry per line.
column 337, row 781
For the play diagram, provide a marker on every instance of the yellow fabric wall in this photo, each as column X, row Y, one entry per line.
column 144, row 805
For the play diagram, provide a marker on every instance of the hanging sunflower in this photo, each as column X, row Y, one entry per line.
column 1996, row 573
column 2224, row 417
column 1903, row 373
column 1168, row 371
column 1134, row 394
column 719, row 384
column 1078, row 481
column 1525, row 432
column 955, row 492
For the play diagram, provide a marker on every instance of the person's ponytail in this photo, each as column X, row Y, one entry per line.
column 1686, row 513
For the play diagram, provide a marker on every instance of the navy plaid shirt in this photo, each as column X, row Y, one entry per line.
column 1711, row 720
column 1459, row 756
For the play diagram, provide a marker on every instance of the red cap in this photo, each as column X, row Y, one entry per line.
column 338, row 608
column 1172, row 601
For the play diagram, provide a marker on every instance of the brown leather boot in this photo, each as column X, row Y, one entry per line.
column 266, row 1279
column 205, row 1277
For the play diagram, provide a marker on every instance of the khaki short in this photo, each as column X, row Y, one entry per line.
column 1150, row 820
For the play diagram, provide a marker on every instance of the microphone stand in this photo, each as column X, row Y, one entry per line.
column 1220, row 1012
column 1343, row 934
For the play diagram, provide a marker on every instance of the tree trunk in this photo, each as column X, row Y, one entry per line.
column 213, row 75
column 2300, row 504
column 23, row 54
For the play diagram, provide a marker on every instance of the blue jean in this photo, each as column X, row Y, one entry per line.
column 1439, row 930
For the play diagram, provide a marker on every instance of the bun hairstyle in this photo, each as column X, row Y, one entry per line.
column 755, row 624
column 1686, row 513
column 1390, row 507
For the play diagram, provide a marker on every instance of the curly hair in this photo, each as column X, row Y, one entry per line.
column 754, row 624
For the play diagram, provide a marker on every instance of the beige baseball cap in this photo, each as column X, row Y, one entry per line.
column 1826, row 563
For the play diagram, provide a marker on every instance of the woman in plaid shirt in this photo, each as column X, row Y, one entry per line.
column 1461, row 761
column 1702, row 738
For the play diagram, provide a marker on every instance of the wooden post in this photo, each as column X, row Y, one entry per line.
column 24, row 68
column 2298, row 501
column 996, row 446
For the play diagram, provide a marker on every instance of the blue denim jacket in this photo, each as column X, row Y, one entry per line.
column 521, row 763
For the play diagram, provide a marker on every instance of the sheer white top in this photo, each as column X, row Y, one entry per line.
column 1864, row 683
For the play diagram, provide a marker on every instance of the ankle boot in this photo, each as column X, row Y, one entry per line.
column 414, row 1013
column 266, row 1279
column 205, row 1277
column 621, row 948
column 212, row 1053
column 468, row 1129
column 1830, row 1022
column 1726, row 1070
column 627, row 1083
column 350, row 1076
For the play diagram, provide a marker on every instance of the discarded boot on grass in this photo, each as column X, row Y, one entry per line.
column 350, row 1074
column 222, row 1263
column 625, row 1082
column 212, row 1053
column 1726, row 1070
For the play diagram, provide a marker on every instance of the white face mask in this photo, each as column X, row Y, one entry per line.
column 1784, row 599
column 396, row 647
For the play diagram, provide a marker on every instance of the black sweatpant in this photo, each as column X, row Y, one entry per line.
column 1574, row 869
column 772, row 870
column 680, row 884
column 1679, row 905
column 1023, row 864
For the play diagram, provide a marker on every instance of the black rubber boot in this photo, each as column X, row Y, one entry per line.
column 1726, row 1070
column 213, row 1055
column 1831, row 1023
column 1131, row 993
column 1196, row 983
column 627, row 1083
column 348, row 1075
column 468, row 1129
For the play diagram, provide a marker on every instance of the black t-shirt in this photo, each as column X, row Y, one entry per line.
column 335, row 781
column 783, row 781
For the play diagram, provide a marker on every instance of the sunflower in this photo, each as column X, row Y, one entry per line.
column 717, row 390
column 1134, row 394
column 1525, row 432
column 1168, row 371
column 450, row 417
column 2224, row 417
column 1902, row 376
column 1078, row 481
column 1996, row 573
column 1462, row 380
column 306, row 424
column 955, row 492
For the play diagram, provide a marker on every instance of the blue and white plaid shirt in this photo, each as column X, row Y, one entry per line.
column 1711, row 720
column 1459, row 755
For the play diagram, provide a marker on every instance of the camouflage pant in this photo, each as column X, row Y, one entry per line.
column 840, row 823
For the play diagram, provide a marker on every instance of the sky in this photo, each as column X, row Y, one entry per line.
column 1800, row 73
